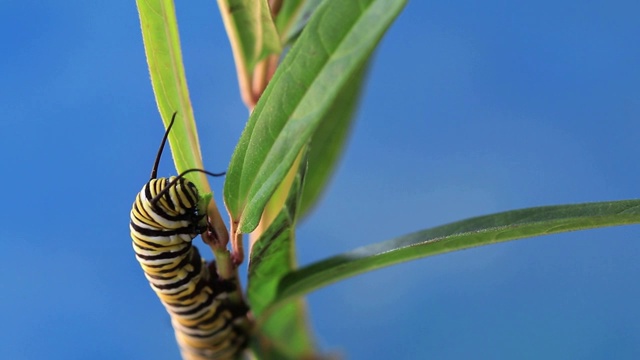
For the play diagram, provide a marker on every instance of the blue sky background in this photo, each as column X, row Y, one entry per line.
column 471, row 108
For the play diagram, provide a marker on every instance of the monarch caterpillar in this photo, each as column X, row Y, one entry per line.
column 164, row 221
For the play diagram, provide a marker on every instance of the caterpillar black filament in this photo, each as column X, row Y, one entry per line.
column 164, row 221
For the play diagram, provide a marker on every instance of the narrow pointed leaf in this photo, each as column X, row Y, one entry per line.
column 164, row 57
column 335, row 44
column 484, row 230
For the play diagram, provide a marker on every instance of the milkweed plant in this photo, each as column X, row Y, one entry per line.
column 301, row 67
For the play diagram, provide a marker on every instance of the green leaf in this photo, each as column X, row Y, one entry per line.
column 293, row 16
column 484, row 230
column 164, row 57
column 329, row 139
column 251, row 30
column 284, row 334
column 338, row 40
column 253, row 37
